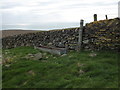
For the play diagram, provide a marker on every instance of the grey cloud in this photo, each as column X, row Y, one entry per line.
column 36, row 15
column 85, row 5
column 8, row 5
column 46, row 3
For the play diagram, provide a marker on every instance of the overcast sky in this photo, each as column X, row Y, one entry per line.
column 53, row 14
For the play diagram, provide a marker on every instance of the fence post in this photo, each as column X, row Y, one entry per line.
column 95, row 17
column 80, row 35
column 106, row 17
column 66, row 47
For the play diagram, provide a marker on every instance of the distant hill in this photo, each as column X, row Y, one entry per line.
column 6, row 33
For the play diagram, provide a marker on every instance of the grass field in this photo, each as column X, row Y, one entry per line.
column 74, row 70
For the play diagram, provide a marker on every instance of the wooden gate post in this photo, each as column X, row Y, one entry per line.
column 66, row 47
column 80, row 35
column 95, row 17
column 106, row 17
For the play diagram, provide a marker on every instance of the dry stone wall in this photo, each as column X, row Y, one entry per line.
column 97, row 35
column 104, row 34
column 58, row 38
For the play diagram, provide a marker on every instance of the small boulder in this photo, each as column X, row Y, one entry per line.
column 8, row 65
column 63, row 55
column 79, row 64
column 31, row 73
column 85, row 41
column 44, row 54
column 81, row 72
column 37, row 56
column 92, row 54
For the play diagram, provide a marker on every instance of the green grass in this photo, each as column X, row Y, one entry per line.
column 55, row 71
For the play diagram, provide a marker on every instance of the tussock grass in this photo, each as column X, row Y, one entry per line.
column 75, row 70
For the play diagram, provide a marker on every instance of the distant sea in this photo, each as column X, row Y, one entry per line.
column 40, row 26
